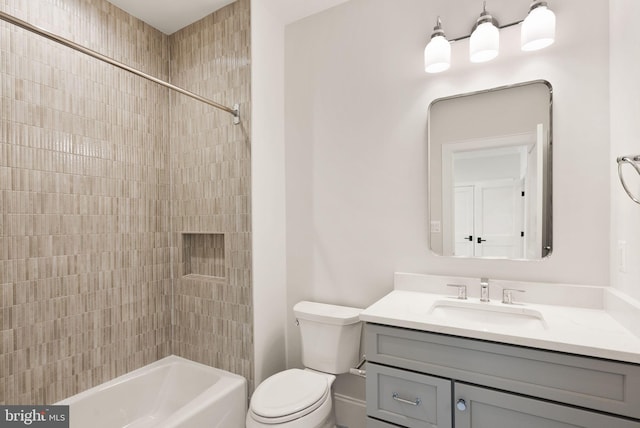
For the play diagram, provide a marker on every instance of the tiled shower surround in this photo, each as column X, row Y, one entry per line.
column 210, row 188
column 103, row 178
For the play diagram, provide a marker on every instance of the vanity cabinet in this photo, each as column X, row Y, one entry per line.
column 422, row 379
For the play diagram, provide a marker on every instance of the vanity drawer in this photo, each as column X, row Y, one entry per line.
column 407, row 398
column 592, row 383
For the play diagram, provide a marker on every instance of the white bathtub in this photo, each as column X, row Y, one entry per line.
column 170, row 393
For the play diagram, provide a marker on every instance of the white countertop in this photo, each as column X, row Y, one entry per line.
column 588, row 329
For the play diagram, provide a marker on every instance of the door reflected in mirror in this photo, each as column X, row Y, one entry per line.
column 490, row 173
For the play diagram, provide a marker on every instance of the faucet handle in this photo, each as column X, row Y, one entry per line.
column 507, row 295
column 462, row 291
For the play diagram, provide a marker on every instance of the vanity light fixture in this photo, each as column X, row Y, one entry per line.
column 484, row 44
column 537, row 32
column 437, row 54
column 538, row 28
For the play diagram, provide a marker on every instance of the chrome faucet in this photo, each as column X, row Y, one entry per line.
column 484, row 289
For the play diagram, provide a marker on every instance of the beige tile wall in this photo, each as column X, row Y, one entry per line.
column 210, row 165
column 86, row 215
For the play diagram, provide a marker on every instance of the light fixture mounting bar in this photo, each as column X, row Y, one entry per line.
column 457, row 39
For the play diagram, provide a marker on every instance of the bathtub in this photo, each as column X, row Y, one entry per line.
column 170, row 393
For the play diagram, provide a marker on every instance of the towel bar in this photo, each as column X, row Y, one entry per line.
column 634, row 161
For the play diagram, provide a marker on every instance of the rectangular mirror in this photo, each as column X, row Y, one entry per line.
column 490, row 173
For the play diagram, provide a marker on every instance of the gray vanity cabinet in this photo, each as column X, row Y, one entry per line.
column 418, row 379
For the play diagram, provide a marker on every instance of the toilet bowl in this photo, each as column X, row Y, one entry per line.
column 298, row 398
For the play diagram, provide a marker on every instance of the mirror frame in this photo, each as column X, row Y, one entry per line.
column 547, row 200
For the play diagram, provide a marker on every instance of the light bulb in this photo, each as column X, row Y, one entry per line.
column 437, row 55
column 484, row 43
column 538, row 28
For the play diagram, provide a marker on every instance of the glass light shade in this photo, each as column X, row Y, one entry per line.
column 484, row 43
column 538, row 29
column 437, row 55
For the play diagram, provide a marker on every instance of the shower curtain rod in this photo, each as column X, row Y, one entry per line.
column 39, row 31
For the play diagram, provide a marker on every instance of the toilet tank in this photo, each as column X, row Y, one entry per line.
column 330, row 336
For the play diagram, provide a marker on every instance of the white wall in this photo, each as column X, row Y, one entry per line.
column 356, row 102
column 268, row 20
column 267, row 181
column 355, row 133
column 354, row 127
column 625, row 140
column 355, row 137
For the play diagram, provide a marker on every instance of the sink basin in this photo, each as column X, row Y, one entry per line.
column 487, row 315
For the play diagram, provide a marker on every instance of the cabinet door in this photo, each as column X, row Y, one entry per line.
column 477, row 407
column 407, row 398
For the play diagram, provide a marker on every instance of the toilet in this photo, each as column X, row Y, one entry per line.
column 298, row 398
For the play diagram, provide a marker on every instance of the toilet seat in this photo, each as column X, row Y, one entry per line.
column 289, row 395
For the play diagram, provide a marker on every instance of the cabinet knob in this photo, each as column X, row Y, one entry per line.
column 461, row 405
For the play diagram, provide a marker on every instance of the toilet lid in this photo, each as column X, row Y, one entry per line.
column 292, row 393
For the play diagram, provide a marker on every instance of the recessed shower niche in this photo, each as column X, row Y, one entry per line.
column 203, row 255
